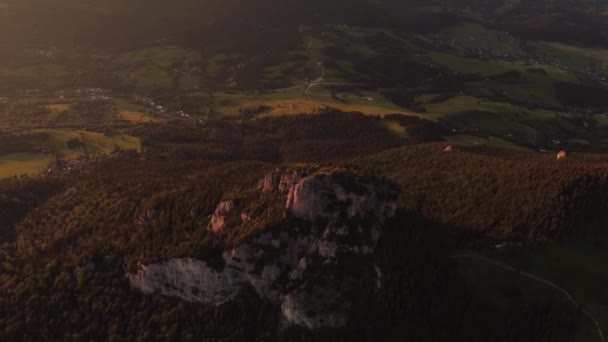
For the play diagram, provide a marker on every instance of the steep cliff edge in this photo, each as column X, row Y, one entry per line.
column 309, row 265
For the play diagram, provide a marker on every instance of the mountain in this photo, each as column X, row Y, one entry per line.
column 138, row 245
column 272, row 170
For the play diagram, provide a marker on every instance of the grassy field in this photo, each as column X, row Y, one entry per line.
column 298, row 106
column 465, row 65
column 22, row 164
column 507, row 6
column 474, row 36
column 586, row 59
column 468, row 65
column 49, row 70
column 58, row 107
column 471, row 140
column 528, row 87
column 509, row 124
column 295, row 101
column 137, row 117
column 602, row 120
column 459, row 104
column 157, row 67
column 126, row 105
column 577, row 267
column 395, row 128
column 493, row 283
column 93, row 142
column 41, row 143
column 39, row 75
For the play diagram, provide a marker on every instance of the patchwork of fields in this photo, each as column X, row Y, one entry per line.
column 508, row 93
column 57, row 146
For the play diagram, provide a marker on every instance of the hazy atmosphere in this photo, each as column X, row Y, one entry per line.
column 321, row 170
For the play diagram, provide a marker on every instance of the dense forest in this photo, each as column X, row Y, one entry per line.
column 130, row 208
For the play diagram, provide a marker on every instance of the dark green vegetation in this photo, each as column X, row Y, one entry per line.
column 525, row 195
column 124, row 123
column 128, row 207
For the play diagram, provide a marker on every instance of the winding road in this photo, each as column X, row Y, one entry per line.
column 318, row 81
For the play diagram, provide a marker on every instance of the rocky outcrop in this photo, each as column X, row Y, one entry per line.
column 327, row 195
column 282, row 181
column 269, row 182
column 308, row 306
column 148, row 216
column 189, row 279
column 308, row 265
column 218, row 219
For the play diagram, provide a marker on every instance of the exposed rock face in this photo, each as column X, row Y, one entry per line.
column 289, row 179
column 218, row 219
column 562, row 155
column 185, row 278
column 327, row 195
column 269, row 182
column 282, row 181
column 308, row 306
column 309, row 266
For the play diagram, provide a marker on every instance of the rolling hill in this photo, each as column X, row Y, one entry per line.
column 303, row 170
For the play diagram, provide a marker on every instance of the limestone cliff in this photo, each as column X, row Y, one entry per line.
column 309, row 266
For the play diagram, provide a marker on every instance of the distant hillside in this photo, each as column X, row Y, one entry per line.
column 500, row 193
column 35, row 21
